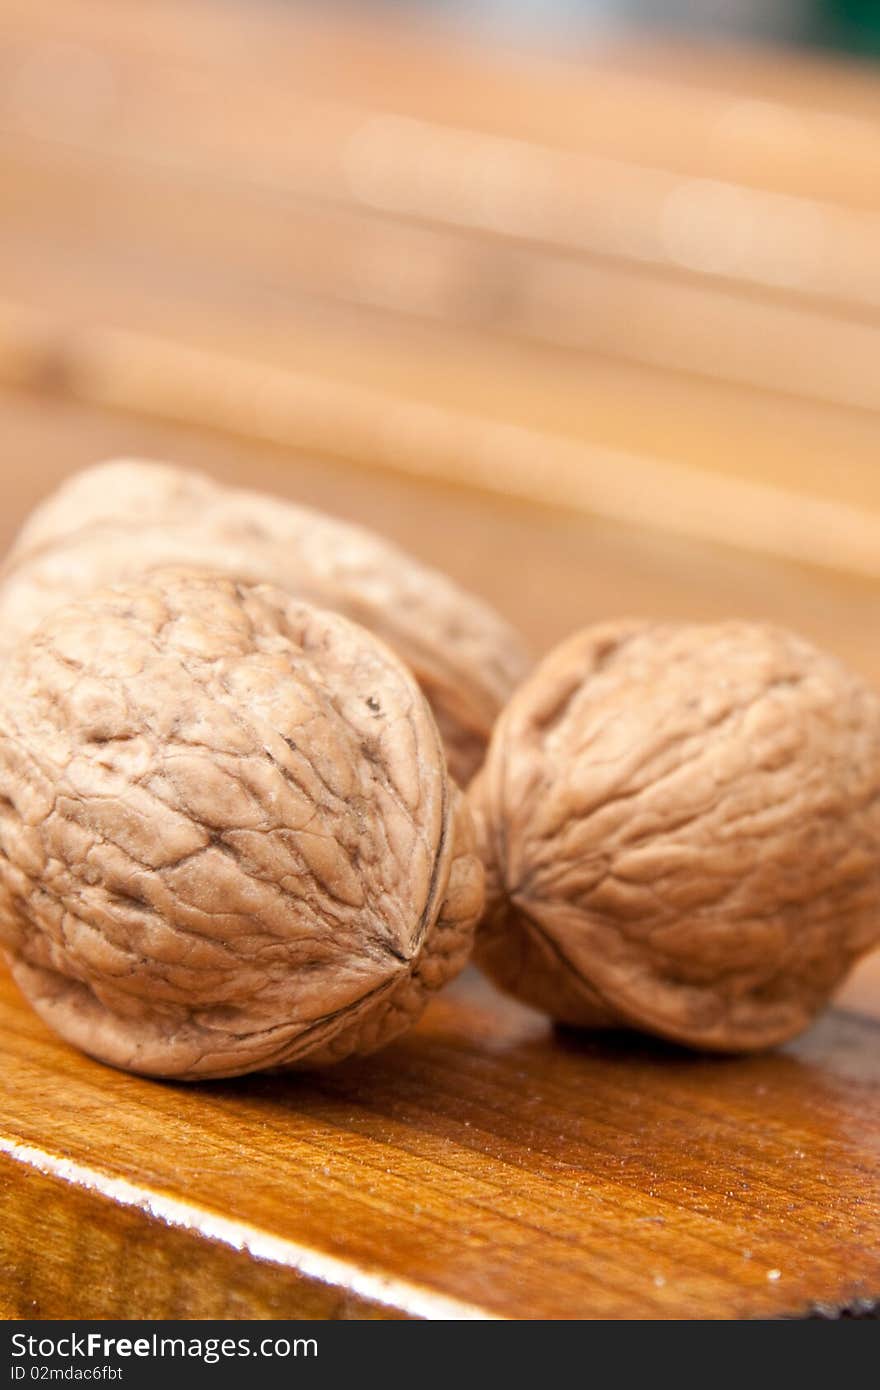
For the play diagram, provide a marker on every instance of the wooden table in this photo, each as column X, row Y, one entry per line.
column 598, row 334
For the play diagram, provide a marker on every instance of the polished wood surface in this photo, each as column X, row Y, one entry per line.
column 482, row 1168
column 528, row 316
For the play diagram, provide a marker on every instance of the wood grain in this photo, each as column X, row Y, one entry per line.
column 472, row 297
column 548, row 569
column 260, row 230
column 483, row 1167
column 72, row 1247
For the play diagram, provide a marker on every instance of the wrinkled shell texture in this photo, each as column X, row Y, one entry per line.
column 229, row 840
column 681, row 828
column 120, row 520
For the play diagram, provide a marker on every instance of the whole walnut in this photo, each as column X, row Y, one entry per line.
column 120, row 520
column 228, row 838
column 681, row 829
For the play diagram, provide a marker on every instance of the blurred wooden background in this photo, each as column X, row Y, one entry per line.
column 596, row 331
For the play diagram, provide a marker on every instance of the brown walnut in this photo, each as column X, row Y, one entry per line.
column 681, row 830
column 228, row 838
column 120, row 520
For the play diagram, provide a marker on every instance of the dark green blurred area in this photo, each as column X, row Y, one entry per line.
column 851, row 26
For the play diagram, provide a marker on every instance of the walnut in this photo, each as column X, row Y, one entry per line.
column 228, row 839
column 120, row 520
column 681, row 828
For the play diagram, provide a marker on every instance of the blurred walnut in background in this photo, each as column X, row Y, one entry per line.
column 121, row 520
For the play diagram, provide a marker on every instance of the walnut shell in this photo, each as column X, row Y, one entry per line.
column 228, row 838
column 120, row 520
column 681, row 829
